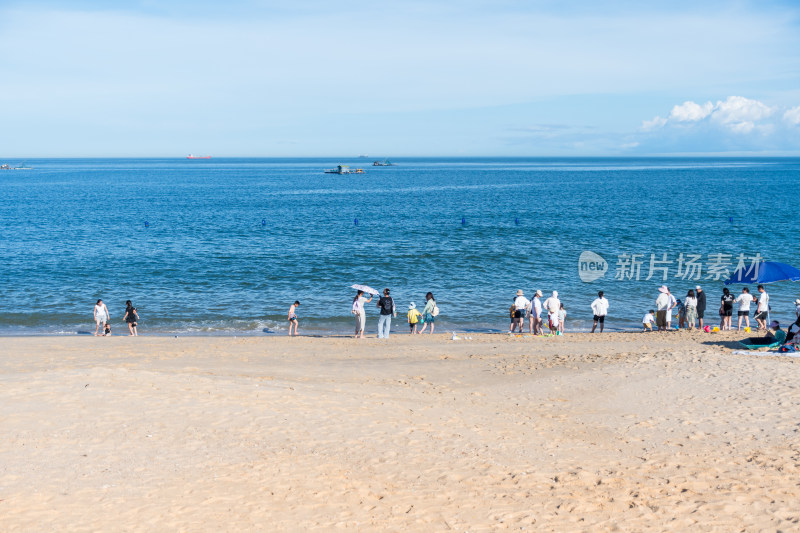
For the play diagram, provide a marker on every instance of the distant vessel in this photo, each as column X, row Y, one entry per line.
column 190, row 156
column 21, row 166
column 384, row 163
column 344, row 169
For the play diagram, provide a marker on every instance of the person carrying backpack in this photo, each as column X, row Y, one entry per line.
column 386, row 305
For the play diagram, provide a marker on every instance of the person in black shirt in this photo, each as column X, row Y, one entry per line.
column 726, row 309
column 701, row 304
column 386, row 305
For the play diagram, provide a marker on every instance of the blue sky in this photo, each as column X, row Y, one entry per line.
column 471, row 78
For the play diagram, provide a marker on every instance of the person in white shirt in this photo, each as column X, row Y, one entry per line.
column 600, row 310
column 535, row 316
column 744, row 300
column 662, row 305
column 521, row 305
column 690, row 306
column 101, row 316
column 552, row 305
column 672, row 303
column 762, row 312
column 797, row 308
column 648, row 320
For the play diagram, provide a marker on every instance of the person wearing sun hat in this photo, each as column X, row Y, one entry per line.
column 552, row 305
column 414, row 317
column 701, row 304
column 535, row 315
column 662, row 305
column 521, row 305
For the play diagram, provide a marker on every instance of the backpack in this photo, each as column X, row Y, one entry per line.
column 356, row 307
column 387, row 304
column 435, row 310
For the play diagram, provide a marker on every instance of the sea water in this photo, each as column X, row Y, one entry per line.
column 224, row 246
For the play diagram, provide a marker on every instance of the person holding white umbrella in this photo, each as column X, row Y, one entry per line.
column 360, row 312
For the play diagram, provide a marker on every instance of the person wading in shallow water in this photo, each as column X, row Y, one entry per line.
column 101, row 317
column 430, row 312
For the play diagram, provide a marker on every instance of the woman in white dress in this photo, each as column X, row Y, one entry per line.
column 360, row 313
column 101, row 316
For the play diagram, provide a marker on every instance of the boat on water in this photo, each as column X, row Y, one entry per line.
column 190, row 156
column 384, row 163
column 344, row 169
column 21, row 166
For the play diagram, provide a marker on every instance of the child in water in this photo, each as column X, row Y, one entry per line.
column 292, row 317
column 414, row 316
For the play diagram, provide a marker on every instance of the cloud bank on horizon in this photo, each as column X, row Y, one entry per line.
column 734, row 124
column 515, row 78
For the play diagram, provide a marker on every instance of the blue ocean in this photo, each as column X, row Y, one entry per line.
column 224, row 246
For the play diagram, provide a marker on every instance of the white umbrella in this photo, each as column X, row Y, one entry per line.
column 368, row 290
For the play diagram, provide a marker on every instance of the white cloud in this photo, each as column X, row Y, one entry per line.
column 741, row 127
column 732, row 124
column 736, row 113
column 691, row 112
column 740, row 114
column 656, row 123
column 792, row 116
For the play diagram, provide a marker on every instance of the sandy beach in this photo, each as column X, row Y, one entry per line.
column 611, row 432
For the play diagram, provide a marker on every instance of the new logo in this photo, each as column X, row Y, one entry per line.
column 591, row 267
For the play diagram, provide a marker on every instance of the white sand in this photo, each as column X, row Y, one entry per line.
column 625, row 432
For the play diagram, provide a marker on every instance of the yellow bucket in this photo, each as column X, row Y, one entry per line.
column 715, row 329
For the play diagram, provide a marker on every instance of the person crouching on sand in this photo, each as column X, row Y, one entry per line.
column 648, row 320
column 292, row 317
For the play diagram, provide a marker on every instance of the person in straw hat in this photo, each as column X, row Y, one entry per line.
column 521, row 305
column 535, row 315
column 662, row 305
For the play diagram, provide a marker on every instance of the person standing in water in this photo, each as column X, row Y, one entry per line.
column 292, row 317
column 131, row 318
column 429, row 312
column 101, row 316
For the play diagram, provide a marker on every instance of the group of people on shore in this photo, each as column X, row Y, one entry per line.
column 388, row 310
column 691, row 309
column 102, row 319
column 535, row 310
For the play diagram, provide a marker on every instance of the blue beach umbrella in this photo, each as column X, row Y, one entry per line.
column 767, row 272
